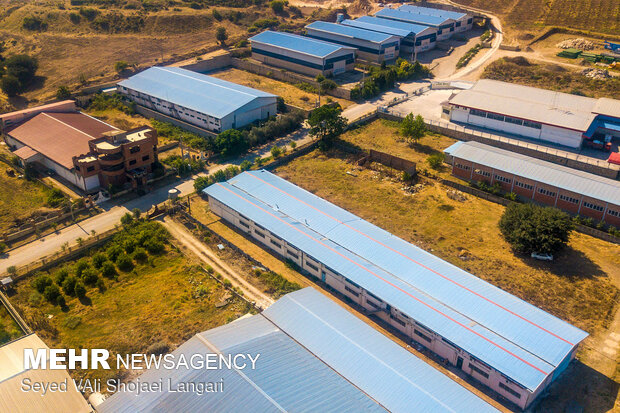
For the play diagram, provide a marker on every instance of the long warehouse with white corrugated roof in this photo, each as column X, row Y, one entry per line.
column 500, row 340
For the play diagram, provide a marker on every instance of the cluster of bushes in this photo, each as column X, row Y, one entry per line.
column 173, row 132
column 55, row 198
column 486, row 36
column 114, row 101
column 34, row 24
column 262, row 24
column 186, row 166
column 138, row 240
column 463, row 61
column 383, row 78
column 118, row 23
column 277, row 285
column 222, row 175
column 17, row 72
column 234, row 142
column 601, row 226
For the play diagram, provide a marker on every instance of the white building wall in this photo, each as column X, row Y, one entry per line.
column 401, row 322
column 561, row 136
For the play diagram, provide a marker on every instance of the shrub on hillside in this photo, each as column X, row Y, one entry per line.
column 124, row 262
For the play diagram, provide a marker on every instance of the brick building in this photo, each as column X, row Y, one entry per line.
column 84, row 151
column 574, row 191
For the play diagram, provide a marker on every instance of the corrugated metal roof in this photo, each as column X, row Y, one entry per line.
column 377, row 28
column 607, row 107
column 412, row 17
column 314, row 357
column 385, row 371
column 287, row 377
column 455, row 15
column 515, row 337
column 597, row 187
column 352, row 32
column 300, row 44
column 13, row 398
column 415, row 29
column 202, row 93
column 540, row 105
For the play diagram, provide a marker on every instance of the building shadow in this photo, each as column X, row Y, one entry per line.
column 579, row 388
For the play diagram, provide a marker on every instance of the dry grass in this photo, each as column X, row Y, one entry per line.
column 382, row 135
column 576, row 287
column 291, row 94
column 19, row 198
column 9, row 330
column 600, row 16
column 70, row 53
column 168, row 301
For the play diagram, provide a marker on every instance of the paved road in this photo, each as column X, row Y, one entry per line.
column 48, row 245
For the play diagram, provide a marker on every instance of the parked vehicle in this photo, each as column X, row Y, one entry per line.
column 542, row 256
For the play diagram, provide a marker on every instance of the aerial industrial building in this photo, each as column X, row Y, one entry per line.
column 314, row 357
column 204, row 101
column 539, row 114
column 443, row 25
column 509, row 345
column 546, row 183
column 371, row 46
column 14, row 378
column 414, row 38
column 84, row 151
column 462, row 21
column 302, row 54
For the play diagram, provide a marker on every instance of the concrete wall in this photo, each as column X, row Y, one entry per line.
column 213, row 63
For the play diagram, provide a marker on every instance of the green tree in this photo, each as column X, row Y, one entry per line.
column 221, row 35
column 276, row 151
column 68, row 285
column 98, row 259
column 126, row 219
column 80, row 290
column 136, row 213
column 413, row 128
column 120, row 66
column 108, row 270
column 326, row 123
column 10, row 85
column 124, row 262
column 63, row 93
column 531, row 228
column 278, row 6
column 51, row 293
column 42, row 282
column 435, row 160
column 245, row 165
column 23, row 67
column 231, row 142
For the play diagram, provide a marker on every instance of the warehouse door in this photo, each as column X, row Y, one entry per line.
column 339, row 67
column 459, row 363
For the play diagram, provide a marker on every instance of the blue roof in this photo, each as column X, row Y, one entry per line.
column 385, row 371
column 202, row 93
column 314, row 356
column 516, row 338
column 301, row 44
column 377, row 28
column 432, row 12
column 352, row 32
column 412, row 27
column 423, row 19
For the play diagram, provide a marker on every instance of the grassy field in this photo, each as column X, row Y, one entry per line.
column 164, row 299
column 290, row 93
column 72, row 52
column 9, row 330
column 600, row 16
column 576, row 287
column 19, row 198
column 382, row 135
column 550, row 76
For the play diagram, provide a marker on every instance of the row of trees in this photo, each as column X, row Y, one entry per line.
column 138, row 240
column 383, row 78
